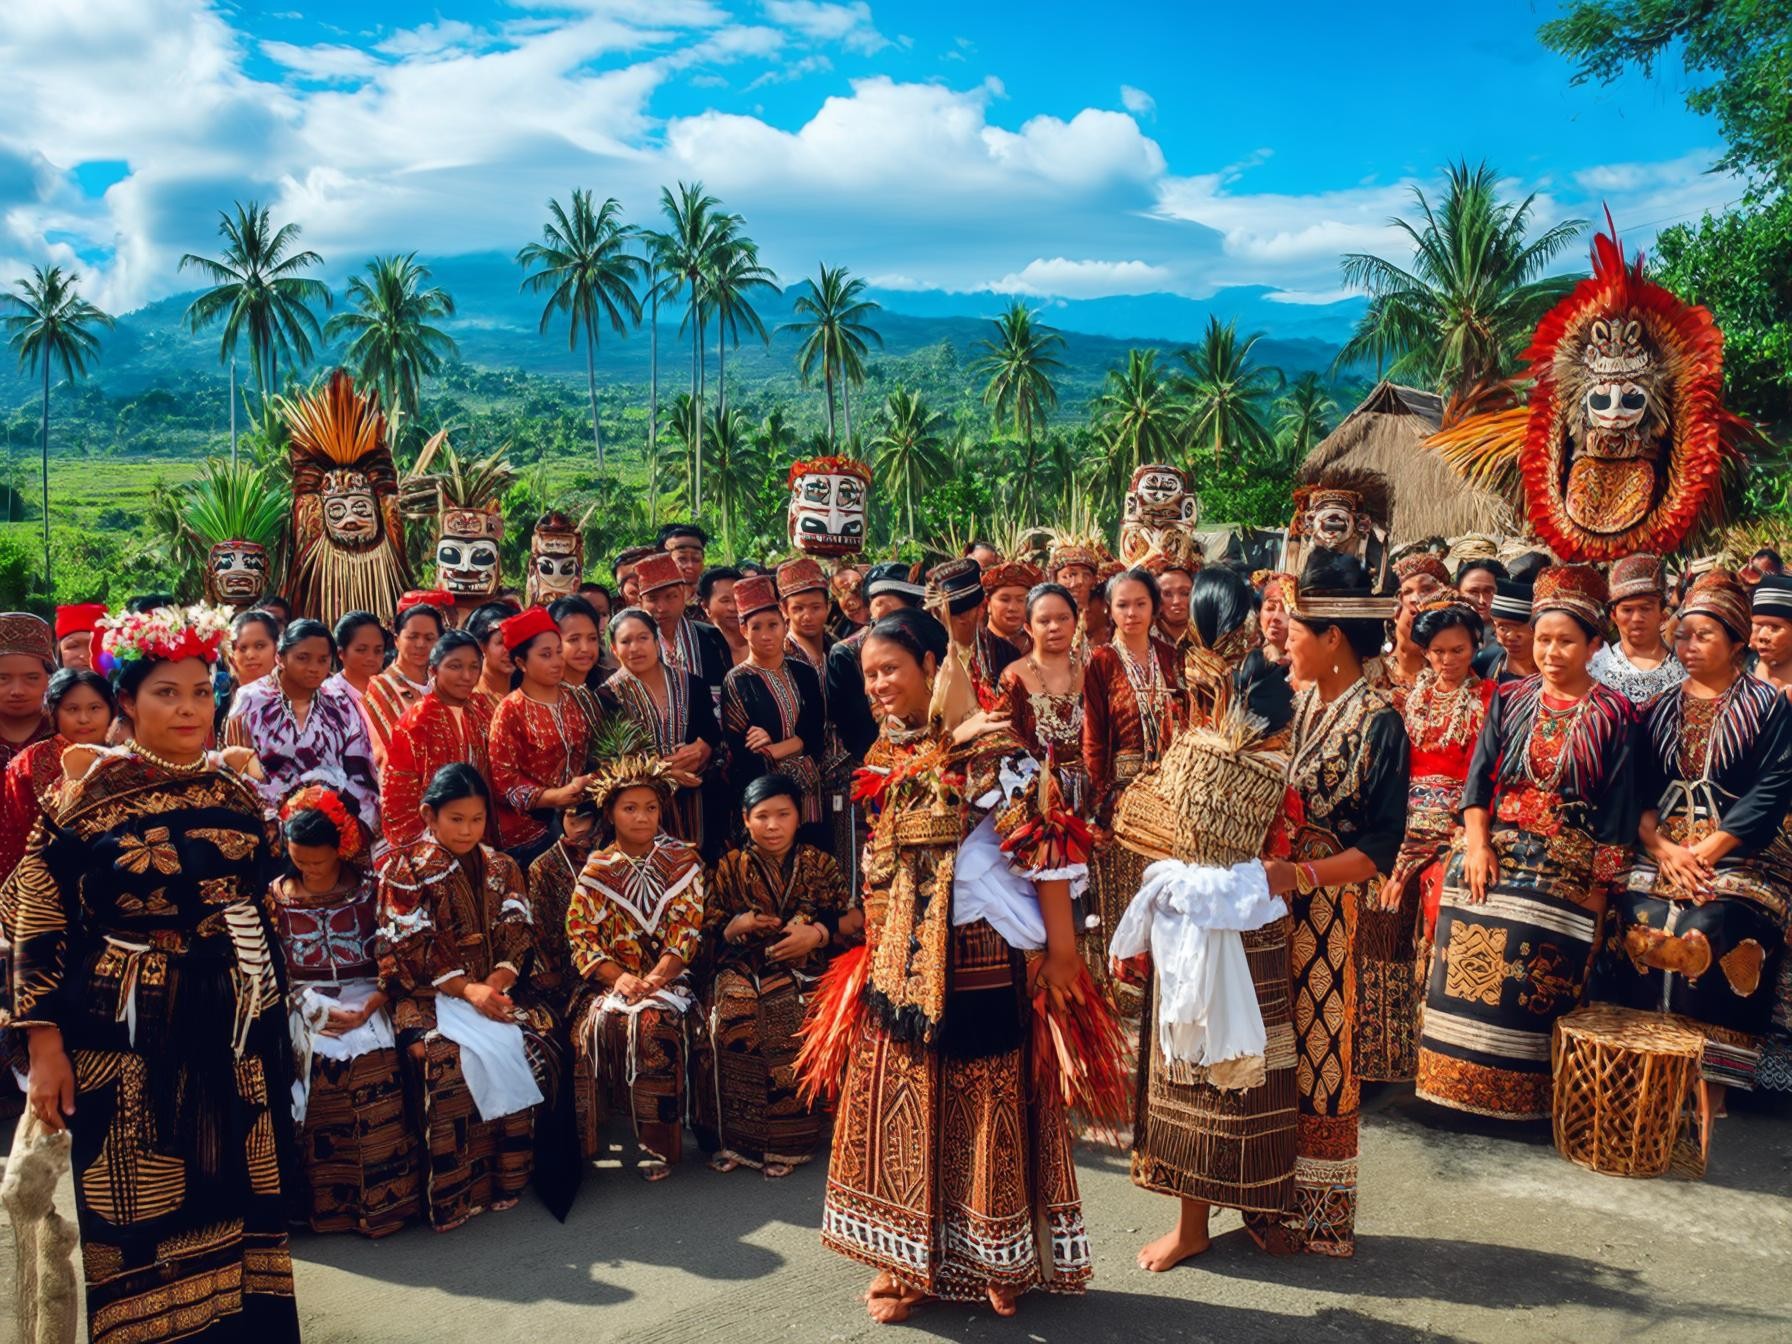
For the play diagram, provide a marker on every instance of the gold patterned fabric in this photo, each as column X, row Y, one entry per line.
column 142, row 934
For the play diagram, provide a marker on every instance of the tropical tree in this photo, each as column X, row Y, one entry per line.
column 1136, row 413
column 685, row 252
column 687, row 429
column 1460, row 314
column 589, row 275
column 737, row 466
column 391, row 344
column 258, row 293
column 735, row 275
column 1225, row 397
column 833, row 318
column 909, row 457
column 48, row 323
column 1020, row 363
column 777, row 436
column 1304, row 416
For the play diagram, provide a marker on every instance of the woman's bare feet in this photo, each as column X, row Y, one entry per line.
column 777, row 1171
column 1002, row 1300
column 888, row 1302
column 1171, row 1250
column 653, row 1170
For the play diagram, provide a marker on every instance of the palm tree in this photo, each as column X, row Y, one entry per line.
column 1463, row 312
column 1137, row 414
column 833, row 315
column 589, row 276
column 49, row 323
column 686, row 429
column 391, row 342
column 734, row 275
column 776, row 435
column 909, row 455
column 1020, row 363
column 686, row 253
column 1303, row 417
column 258, row 292
column 737, row 466
column 1224, row 395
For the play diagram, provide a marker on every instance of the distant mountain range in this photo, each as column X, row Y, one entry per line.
column 496, row 326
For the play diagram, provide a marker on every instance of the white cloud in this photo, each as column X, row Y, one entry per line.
column 1062, row 278
column 1310, row 297
column 814, row 63
column 323, row 63
column 848, row 24
column 1137, row 101
column 429, row 38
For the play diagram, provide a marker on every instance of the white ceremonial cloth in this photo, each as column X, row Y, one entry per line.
column 310, row 1013
column 491, row 1059
column 985, row 887
column 1190, row 919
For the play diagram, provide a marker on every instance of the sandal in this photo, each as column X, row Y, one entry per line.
column 724, row 1163
column 654, row 1171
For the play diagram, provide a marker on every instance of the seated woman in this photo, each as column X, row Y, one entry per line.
column 633, row 929
column 457, row 931
column 552, row 879
column 80, row 707
column 772, row 907
column 443, row 727
column 359, row 1157
column 302, row 733
column 1699, row 927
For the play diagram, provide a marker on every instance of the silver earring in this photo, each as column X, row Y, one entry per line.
column 1336, row 669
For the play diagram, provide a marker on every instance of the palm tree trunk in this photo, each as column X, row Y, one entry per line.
column 233, row 410
column 721, row 372
column 591, row 388
column 49, row 588
column 653, row 392
column 696, row 472
column 846, row 404
column 827, row 380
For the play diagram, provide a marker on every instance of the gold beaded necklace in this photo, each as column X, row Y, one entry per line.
column 163, row 763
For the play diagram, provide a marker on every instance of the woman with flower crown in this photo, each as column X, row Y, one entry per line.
column 360, row 1160
column 149, row 985
column 1549, row 815
column 633, row 930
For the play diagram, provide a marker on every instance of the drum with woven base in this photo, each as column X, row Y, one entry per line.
column 1624, row 1084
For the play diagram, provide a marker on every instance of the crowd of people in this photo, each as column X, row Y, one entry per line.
column 376, row 923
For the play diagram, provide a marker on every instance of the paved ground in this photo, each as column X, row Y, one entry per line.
column 1468, row 1232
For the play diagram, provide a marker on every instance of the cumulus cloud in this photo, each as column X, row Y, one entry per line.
column 1061, row 278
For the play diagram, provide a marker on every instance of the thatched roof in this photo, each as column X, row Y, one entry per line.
column 1385, row 434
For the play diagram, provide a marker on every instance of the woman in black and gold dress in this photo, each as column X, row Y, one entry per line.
column 148, row 982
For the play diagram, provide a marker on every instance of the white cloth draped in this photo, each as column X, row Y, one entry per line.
column 1190, row 920
column 492, row 1059
column 309, row 1014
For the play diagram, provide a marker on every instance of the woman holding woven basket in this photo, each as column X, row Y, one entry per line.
column 1348, row 766
column 951, row 1171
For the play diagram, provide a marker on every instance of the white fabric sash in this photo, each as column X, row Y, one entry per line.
column 1190, row 920
column 491, row 1059
column 310, row 1014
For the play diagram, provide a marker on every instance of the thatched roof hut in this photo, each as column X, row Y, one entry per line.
column 1385, row 434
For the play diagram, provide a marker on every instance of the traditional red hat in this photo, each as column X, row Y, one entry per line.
column 1421, row 562
column 754, row 594
column 1011, row 574
column 518, row 630
column 1720, row 596
column 802, row 575
column 1578, row 590
column 659, row 570
column 1636, row 576
column 79, row 619
column 439, row 598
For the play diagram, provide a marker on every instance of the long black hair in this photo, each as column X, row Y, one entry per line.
column 1219, row 602
column 1140, row 575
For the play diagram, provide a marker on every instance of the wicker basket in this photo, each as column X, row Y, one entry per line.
column 1211, row 801
column 1625, row 1091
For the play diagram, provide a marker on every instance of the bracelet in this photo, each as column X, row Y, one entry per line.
column 1306, row 879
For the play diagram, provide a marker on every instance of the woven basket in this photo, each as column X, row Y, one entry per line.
column 1625, row 1090
column 1211, row 801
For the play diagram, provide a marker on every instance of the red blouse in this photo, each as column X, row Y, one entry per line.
column 428, row 736
column 30, row 778
column 1121, row 735
column 534, row 747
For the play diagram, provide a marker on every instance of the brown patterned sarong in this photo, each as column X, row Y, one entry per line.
column 362, row 1172
column 752, row 1102
column 634, row 1063
column 1234, row 1148
column 469, row 1163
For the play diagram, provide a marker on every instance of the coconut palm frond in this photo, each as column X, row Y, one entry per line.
column 240, row 503
column 457, row 481
column 1484, row 450
column 618, row 736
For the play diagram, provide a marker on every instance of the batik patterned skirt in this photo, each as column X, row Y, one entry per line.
column 947, row 1173
column 1230, row 1147
column 1321, row 1216
column 360, row 1158
column 749, row 1108
column 1717, row 963
column 638, row 1063
column 1503, row 971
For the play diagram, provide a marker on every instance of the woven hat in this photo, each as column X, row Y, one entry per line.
column 629, row 772
column 802, row 575
column 1578, row 590
column 1421, row 562
column 1012, row 574
column 656, row 571
column 754, row 594
column 1772, row 596
column 23, row 633
column 1636, row 576
column 1209, row 802
column 956, row 583
column 1719, row 596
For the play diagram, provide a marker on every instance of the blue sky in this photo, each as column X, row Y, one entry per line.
column 1042, row 149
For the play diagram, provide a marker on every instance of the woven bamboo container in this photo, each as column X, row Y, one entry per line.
column 1624, row 1089
column 1210, row 801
